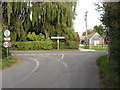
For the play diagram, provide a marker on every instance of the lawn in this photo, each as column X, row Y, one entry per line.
column 107, row 72
column 8, row 62
column 53, row 50
column 96, row 47
column 99, row 47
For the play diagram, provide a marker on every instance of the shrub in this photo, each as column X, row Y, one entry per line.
column 67, row 45
column 32, row 45
column 34, row 37
column 73, row 44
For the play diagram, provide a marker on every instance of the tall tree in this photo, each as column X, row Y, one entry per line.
column 51, row 19
column 111, row 20
column 99, row 29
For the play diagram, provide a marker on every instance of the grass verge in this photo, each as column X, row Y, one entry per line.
column 107, row 72
column 54, row 50
column 8, row 62
column 99, row 47
column 96, row 47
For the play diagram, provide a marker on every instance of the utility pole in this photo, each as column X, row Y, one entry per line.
column 86, row 39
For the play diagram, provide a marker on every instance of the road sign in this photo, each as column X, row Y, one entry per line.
column 7, row 39
column 58, row 46
column 7, row 33
column 57, row 37
column 6, row 44
column 107, row 40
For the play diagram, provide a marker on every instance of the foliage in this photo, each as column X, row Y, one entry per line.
column 73, row 44
column 7, row 62
column 50, row 19
column 32, row 45
column 67, row 45
column 77, row 38
column 110, row 18
column 99, row 29
column 108, row 73
column 88, row 32
column 33, row 37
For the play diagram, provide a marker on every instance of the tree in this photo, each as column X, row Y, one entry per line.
column 88, row 31
column 110, row 18
column 50, row 19
column 99, row 29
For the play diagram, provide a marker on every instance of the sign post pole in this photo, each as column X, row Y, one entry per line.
column 58, row 40
column 108, row 41
column 6, row 43
column 7, row 52
column 58, row 44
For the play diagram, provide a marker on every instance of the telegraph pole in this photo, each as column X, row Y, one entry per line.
column 86, row 39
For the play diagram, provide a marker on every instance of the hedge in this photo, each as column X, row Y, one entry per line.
column 43, row 45
column 32, row 45
column 67, row 45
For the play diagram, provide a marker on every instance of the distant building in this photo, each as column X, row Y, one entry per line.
column 93, row 38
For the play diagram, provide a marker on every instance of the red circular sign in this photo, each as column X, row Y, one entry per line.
column 6, row 44
column 107, row 40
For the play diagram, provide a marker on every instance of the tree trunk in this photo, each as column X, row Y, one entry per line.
column 46, row 33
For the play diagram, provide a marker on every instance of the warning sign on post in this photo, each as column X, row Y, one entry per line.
column 6, row 44
column 107, row 40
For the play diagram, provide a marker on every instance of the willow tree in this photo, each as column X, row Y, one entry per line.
column 54, row 18
column 50, row 19
column 15, row 18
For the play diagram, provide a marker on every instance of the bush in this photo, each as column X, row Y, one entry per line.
column 32, row 45
column 108, row 72
column 33, row 37
column 73, row 44
column 67, row 45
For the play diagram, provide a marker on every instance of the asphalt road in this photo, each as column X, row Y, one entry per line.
column 53, row 70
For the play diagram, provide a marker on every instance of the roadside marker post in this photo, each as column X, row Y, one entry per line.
column 58, row 40
column 6, row 44
column 107, row 40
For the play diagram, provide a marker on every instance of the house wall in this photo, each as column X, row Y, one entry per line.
column 96, row 39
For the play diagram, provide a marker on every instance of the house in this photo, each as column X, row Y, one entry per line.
column 93, row 39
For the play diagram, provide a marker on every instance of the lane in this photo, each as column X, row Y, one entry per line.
column 55, row 70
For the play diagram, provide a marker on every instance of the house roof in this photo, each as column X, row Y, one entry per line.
column 88, row 36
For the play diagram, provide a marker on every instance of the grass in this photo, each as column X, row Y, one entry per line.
column 8, row 62
column 99, row 47
column 50, row 50
column 96, row 47
column 108, row 73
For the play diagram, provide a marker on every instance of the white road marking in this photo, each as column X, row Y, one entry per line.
column 66, row 66
column 62, row 56
column 33, row 54
column 36, row 67
column 25, row 54
column 18, row 54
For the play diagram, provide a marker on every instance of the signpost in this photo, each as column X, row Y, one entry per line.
column 107, row 40
column 6, row 44
column 58, row 45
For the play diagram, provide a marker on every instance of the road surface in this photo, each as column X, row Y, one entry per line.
column 53, row 70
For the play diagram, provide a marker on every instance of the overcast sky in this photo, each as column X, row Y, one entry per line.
column 93, row 16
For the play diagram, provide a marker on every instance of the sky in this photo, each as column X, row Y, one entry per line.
column 92, row 16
